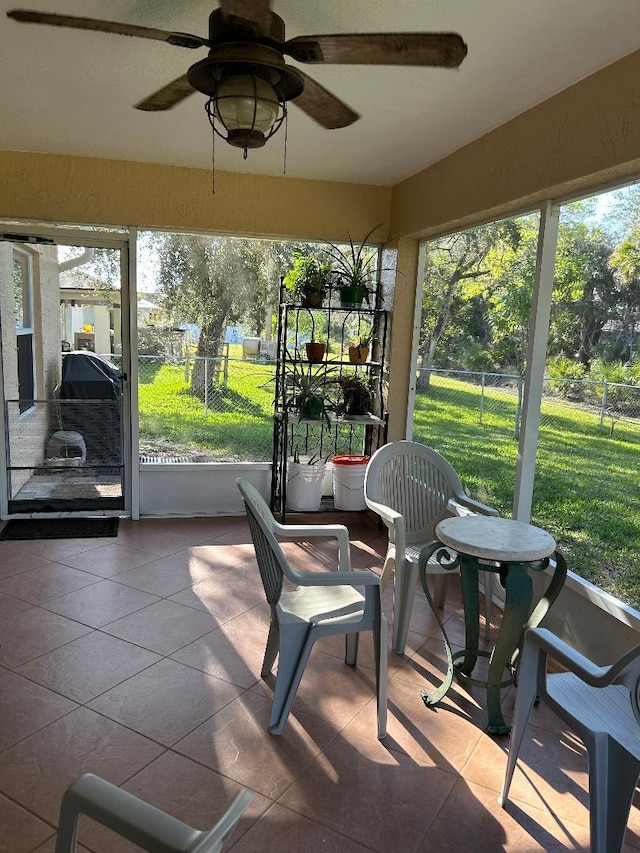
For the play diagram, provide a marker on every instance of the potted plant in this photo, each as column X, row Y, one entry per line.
column 352, row 269
column 355, row 395
column 307, row 280
column 360, row 345
column 308, row 390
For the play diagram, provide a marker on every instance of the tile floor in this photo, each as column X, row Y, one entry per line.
column 138, row 659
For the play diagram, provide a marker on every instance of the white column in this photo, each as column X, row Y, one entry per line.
column 130, row 359
column 536, row 358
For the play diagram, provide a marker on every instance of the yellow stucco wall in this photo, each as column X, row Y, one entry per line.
column 581, row 139
column 107, row 192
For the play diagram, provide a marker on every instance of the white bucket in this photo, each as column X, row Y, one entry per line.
column 348, row 482
column 304, row 486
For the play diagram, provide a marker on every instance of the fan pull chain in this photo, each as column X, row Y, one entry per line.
column 213, row 163
column 286, row 133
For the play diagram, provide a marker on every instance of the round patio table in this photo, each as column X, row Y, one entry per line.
column 510, row 549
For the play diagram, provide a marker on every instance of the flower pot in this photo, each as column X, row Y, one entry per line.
column 355, row 406
column 352, row 295
column 312, row 299
column 311, row 407
column 315, row 352
column 358, row 354
column 305, row 486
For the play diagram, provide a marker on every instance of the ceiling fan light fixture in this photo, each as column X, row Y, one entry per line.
column 246, row 110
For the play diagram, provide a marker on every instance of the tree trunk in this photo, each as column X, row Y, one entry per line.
column 206, row 369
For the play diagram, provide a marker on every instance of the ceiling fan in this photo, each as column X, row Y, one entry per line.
column 245, row 75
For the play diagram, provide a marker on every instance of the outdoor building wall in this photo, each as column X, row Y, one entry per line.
column 581, row 139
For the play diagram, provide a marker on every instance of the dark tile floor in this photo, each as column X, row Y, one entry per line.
column 138, row 658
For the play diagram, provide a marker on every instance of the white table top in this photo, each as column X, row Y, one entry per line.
column 499, row 539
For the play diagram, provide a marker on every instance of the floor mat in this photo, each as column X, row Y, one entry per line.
column 59, row 528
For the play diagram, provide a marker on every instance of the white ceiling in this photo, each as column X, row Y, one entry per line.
column 72, row 92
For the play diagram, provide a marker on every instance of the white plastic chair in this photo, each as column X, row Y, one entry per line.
column 600, row 704
column 336, row 602
column 139, row 822
column 409, row 486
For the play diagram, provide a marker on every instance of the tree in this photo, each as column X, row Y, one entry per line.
column 453, row 264
column 204, row 281
column 625, row 261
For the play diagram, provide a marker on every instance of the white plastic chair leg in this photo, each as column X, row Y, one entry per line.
column 406, row 579
column 295, row 647
column 273, row 643
column 351, row 649
column 382, row 674
column 613, row 776
column 525, row 699
column 440, row 590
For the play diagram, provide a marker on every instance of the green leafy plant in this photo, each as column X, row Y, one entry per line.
column 308, row 279
column 308, row 388
column 352, row 269
column 364, row 337
column 355, row 394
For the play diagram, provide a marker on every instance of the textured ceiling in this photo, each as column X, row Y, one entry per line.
column 72, row 92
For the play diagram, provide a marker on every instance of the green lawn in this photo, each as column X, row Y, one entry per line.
column 586, row 489
column 238, row 423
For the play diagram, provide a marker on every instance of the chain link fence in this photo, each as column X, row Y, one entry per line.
column 206, row 409
column 496, row 396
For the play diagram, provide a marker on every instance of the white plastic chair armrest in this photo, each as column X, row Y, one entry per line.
column 134, row 819
column 388, row 515
column 476, row 506
column 573, row 660
column 327, row 531
column 350, row 578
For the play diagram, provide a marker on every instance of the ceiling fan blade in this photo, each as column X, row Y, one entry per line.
column 443, row 50
column 322, row 106
column 168, row 96
column 27, row 16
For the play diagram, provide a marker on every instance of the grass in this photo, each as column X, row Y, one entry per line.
column 238, row 424
column 586, row 487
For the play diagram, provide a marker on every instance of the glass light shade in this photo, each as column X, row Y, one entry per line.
column 246, row 102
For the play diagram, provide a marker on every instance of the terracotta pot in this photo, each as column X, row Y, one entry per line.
column 315, row 352
column 358, row 355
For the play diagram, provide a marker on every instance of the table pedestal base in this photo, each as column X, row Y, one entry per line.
column 518, row 586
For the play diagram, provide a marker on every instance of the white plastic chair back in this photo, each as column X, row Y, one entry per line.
column 600, row 704
column 412, row 487
column 415, row 481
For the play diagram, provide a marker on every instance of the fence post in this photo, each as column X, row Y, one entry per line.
column 603, row 404
column 225, row 374
column 516, row 430
column 482, row 397
column 206, row 385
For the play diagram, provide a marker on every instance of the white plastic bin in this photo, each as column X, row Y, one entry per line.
column 304, row 485
column 348, row 481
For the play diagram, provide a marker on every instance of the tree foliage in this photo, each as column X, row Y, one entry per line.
column 479, row 284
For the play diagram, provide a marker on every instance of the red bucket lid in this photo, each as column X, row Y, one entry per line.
column 350, row 459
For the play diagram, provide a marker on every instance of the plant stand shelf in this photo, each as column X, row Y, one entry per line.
column 334, row 432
